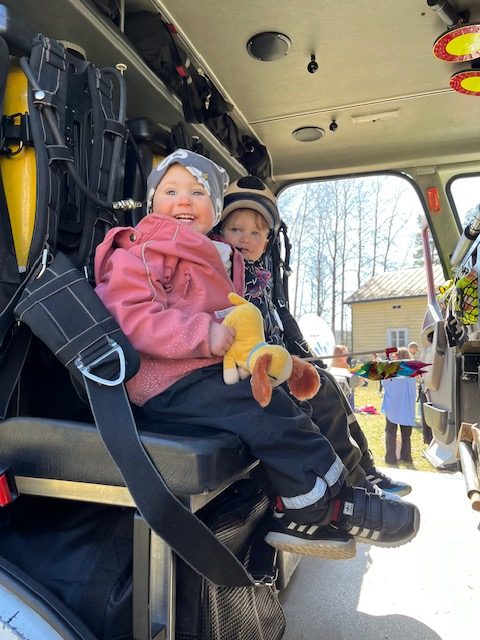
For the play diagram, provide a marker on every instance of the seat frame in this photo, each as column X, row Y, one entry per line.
column 154, row 571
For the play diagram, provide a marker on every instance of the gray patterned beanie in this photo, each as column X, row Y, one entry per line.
column 214, row 178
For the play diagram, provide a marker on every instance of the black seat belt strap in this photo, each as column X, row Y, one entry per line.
column 12, row 361
column 190, row 538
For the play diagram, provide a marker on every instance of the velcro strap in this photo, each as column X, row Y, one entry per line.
column 359, row 506
column 55, row 53
column 115, row 127
column 103, row 85
column 367, row 510
column 374, row 505
column 58, row 152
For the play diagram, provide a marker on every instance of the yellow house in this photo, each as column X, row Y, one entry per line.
column 388, row 310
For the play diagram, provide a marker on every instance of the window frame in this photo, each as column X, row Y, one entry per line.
column 396, row 330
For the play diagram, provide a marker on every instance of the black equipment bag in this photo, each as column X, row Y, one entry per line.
column 155, row 41
column 110, row 9
column 78, row 133
column 73, row 122
column 158, row 44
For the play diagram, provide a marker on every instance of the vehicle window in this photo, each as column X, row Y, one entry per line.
column 465, row 192
column 345, row 234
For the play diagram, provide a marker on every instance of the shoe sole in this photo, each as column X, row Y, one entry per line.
column 393, row 543
column 331, row 549
column 399, row 492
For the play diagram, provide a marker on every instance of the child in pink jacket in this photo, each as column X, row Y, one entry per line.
column 166, row 282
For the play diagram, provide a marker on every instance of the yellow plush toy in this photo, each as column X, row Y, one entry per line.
column 269, row 365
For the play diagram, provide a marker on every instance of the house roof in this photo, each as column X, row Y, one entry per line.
column 405, row 283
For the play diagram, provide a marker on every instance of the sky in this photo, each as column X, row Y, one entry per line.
column 466, row 194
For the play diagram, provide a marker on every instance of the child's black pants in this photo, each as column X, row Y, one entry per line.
column 281, row 435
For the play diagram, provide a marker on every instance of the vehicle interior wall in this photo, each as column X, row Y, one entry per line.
column 388, row 97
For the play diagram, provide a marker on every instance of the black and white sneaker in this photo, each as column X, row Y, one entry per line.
column 371, row 519
column 310, row 539
column 373, row 488
column 383, row 482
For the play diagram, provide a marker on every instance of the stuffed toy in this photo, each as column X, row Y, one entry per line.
column 268, row 364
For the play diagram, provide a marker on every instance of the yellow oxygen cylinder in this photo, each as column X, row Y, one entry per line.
column 156, row 159
column 18, row 170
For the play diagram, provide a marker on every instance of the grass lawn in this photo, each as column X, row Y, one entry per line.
column 374, row 429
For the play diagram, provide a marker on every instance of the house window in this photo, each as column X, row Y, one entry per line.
column 397, row 337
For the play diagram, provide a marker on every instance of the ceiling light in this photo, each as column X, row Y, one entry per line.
column 308, row 134
column 458, row 45
column 373, row 117
column 268, row 46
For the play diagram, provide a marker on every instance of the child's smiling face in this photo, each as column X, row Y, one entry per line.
column 247, row 231
column 179, row 195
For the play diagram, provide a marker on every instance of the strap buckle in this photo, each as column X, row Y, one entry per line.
column 267, row 580
column 86, row 369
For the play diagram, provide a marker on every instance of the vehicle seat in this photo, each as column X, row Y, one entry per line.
column 192, row 460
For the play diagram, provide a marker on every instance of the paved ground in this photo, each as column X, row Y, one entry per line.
column 428, row 589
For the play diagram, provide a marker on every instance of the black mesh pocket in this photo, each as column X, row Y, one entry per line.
column 208, row 612
column 246, row 612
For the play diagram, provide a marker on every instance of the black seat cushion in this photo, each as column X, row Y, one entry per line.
column 191, row 459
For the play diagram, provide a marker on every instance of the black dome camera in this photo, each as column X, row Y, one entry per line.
column 312, row 66
column 333, row 126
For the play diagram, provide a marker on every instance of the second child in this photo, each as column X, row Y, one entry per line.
column 250, row 223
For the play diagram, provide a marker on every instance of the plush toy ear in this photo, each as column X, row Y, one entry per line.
column 261, row 387
column 304, row 382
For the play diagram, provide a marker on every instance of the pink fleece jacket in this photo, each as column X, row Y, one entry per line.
column 164, row 283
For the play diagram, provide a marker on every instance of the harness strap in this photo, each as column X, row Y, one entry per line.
column 188, row 536
column 9, row 275
column 12, row 362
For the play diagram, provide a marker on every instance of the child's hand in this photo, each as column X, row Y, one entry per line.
column 221, row 338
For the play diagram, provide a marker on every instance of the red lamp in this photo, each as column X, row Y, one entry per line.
column 459, row 44
column 466, row 82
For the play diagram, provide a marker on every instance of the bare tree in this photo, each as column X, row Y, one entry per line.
column 343, row 232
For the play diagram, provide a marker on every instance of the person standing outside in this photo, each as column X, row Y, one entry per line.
column 413, row 350
column 398, row 405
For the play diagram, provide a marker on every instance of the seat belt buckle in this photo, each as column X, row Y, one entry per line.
column 267, row 580
column 8, row 487
column 86, row 369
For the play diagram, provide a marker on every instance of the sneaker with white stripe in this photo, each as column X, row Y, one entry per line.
column 387, row 484
column 374, row 488
column 310, row 539
column 374, row 520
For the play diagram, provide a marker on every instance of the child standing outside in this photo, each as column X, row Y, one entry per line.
column 250, row 223
column 167, row 283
